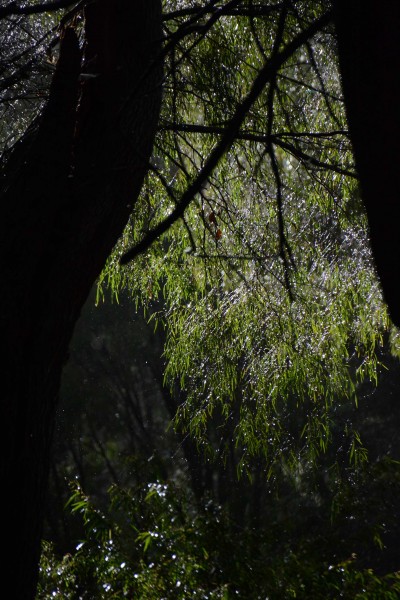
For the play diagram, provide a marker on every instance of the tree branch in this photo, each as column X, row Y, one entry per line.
column 276, row 139
column 253, row 11
column 284, row 248
column 249, row 135
column 15, row 8
column 264, row 76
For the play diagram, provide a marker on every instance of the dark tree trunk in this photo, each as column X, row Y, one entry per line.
column 368, row 33
column 67, row 191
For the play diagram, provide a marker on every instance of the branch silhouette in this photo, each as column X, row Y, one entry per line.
column 17, row 8
column 266, row 74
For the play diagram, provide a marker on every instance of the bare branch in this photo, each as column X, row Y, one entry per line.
column 284, row 248
column 276, row 139
column 251, row 136
column 15, row 8
column 243, row 11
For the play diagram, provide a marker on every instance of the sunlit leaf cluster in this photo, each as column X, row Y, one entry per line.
column 266, row 285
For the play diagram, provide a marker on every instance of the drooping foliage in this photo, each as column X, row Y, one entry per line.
column 269, row 296
column 266, row 290
column 267, row 281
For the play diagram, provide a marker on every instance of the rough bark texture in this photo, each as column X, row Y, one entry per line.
column 368, row 33
column 66, row 194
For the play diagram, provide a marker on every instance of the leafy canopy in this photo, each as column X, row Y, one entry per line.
column 266, row 284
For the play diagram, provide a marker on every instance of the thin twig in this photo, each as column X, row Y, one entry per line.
column 15, row 8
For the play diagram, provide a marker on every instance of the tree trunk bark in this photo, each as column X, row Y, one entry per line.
column 67, row 191
column 369, row 54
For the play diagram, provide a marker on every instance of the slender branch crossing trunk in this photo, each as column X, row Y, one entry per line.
column 67, row 192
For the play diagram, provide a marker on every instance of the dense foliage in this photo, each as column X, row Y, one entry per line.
column 264, row 304
column 152, row 542
column 267, row 286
